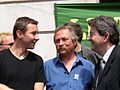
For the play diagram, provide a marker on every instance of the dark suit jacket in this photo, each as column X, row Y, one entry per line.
column 110, row 78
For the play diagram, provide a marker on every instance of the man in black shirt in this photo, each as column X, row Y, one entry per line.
column 21, row 69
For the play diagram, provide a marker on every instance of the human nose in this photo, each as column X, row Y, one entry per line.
column 89, row 38
column 36, row 37
column 61, row 42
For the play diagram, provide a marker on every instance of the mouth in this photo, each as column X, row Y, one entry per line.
column 60, row 49
column 92, row 42
column 33, row 43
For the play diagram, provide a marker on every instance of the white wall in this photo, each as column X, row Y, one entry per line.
column 41, row 11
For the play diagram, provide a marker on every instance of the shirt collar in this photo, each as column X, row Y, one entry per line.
column 57, row 60
column 78, row 60
column 107, row 54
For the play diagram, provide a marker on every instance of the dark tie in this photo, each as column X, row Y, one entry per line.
column 101, row 67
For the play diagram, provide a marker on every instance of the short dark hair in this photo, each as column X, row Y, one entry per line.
column 77, row 28
column 21, row 24
column 105, row 24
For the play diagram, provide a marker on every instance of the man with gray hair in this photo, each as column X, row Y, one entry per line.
column 104, row 37
column 68, row 71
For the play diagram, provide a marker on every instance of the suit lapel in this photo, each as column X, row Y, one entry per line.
column 108, row 64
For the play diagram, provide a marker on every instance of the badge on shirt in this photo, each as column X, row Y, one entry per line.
column 76, row 76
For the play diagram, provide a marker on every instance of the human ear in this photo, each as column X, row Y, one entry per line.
column 106, row 37
column 19, row 34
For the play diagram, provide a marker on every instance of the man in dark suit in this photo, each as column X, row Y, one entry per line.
column 104, row 37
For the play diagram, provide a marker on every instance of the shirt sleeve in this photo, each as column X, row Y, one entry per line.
column 41, row 73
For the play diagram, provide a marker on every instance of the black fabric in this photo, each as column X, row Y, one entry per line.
column 101, row 67
column 110, row 77
column 21, row 74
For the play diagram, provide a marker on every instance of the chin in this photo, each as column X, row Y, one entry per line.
column 63, row 53
column 31, row 48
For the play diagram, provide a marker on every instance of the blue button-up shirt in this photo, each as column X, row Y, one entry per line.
column 79, row 78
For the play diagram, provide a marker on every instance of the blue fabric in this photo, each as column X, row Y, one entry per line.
column 59, row 78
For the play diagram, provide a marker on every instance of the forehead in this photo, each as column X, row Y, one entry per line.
column 93, row 29
column 32, row 27
column 62, row 33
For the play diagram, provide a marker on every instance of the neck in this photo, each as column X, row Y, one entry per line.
column 105, row 49
column 19, row 52
column 69, row 61
column 78, row 47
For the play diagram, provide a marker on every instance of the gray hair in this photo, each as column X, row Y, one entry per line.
column 73, row 34
column 105, row 24
column 77, row 28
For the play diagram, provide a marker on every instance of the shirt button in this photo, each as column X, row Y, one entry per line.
column 70, row 86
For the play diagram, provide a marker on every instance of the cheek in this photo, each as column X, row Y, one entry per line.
column 29, row 38
column 56, row 44
column 70, row 45
column 98, row 42
column 95, row 38
column 6, row 47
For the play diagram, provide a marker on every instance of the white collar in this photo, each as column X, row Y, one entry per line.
column 107, row 54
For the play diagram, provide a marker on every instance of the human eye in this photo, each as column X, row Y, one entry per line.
column 64, row 39
column 92, row 34
column 57, row 40
column 34, row 33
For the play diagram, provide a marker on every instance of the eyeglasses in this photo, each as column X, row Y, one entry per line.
column 10, row 44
